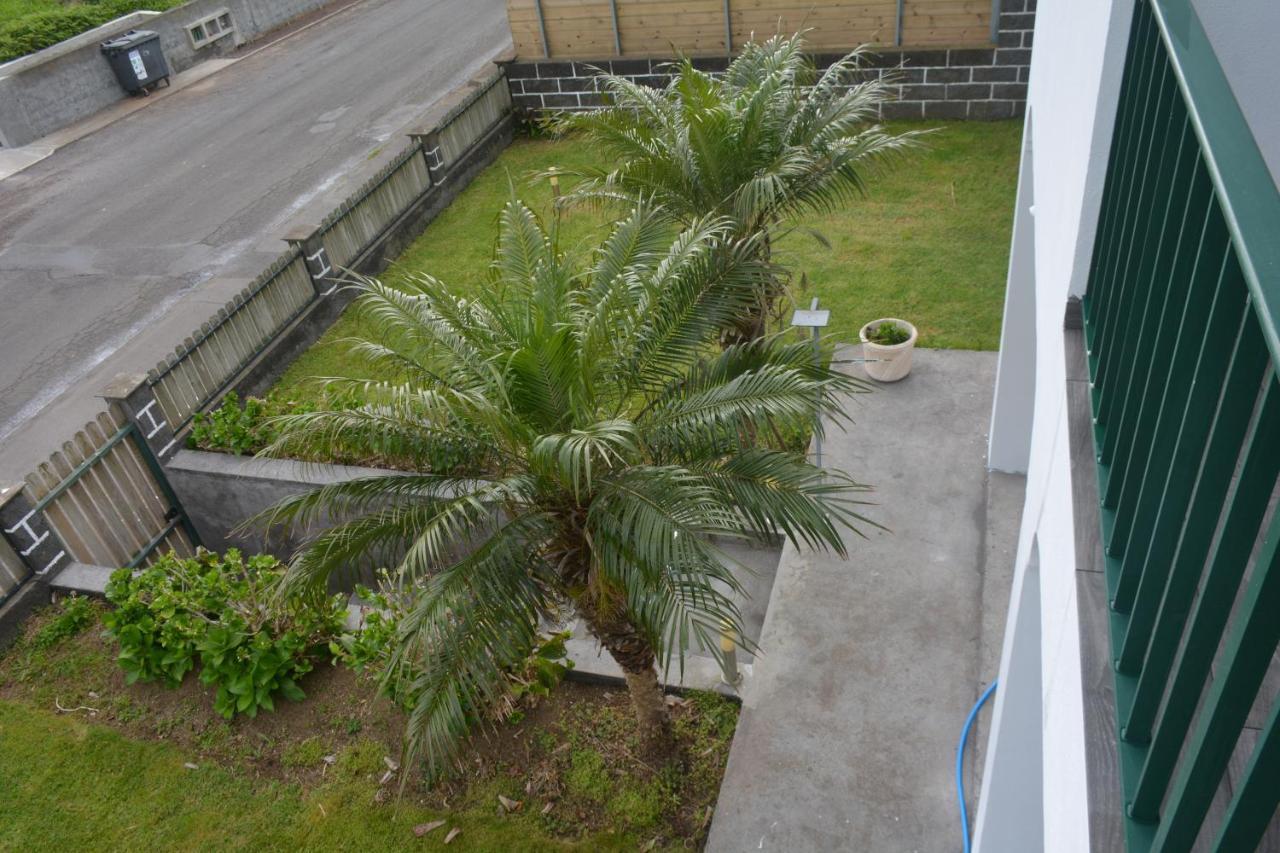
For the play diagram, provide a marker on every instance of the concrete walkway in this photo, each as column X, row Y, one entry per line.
column 869, row 665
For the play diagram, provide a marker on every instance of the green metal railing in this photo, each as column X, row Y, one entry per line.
column 1181, row 332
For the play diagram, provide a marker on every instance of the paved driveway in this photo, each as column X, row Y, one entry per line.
column 105, row 246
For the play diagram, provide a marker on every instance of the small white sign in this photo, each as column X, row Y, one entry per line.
column 139, row 67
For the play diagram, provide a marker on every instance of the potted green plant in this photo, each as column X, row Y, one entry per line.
column 886, row 345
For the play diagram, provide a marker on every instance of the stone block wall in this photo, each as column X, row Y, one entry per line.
column 936, row 83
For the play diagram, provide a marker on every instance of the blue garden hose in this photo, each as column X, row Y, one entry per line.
column 964, row 740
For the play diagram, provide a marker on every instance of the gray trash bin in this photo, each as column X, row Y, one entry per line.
column 137, row 60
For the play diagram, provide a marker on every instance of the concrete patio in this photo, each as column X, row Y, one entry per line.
column 869, row 666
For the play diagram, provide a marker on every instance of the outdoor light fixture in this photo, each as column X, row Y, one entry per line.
column 555, row 182
column 814, row 319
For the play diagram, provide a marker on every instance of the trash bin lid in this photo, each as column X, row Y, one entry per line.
column 127, row 40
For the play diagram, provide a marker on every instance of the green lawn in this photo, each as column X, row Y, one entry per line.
column 75, row 785
column 930, row 244
column 29, row 25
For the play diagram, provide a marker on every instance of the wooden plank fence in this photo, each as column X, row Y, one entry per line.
column 358, row 221
column 588, row 29
column 103, row 498
column 466, row 125
column 106, row 500
column 200, row 368
column 13, row 572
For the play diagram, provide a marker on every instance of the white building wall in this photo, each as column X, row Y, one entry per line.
column 1075, row 74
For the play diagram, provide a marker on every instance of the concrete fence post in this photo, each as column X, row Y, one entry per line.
column 28, row 533
column 429, row 140
column 136, row 399
column 307, row 239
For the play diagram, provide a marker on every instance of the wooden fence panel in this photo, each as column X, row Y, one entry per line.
column 930, row 22
column 12, row 570
column 835, row 25
column 583, row 29
column 205, row 362
column 469, row 124
column 356, row 223
column 110, row 508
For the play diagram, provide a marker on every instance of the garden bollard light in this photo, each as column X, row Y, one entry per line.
column 814, row 319
column 555, row 182
column 730, row 673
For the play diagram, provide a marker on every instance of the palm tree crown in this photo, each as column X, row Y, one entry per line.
column 768, row 139
column 596, row 447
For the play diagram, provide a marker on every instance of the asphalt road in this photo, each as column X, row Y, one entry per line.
column 106, row 245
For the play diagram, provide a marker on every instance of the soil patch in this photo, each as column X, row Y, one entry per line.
column 566, row 763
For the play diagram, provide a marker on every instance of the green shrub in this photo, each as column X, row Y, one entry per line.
column 369, row 649
column 74, row 615
column 34, row 31
column 233, row 428
column 888, row 334
column 224, row 613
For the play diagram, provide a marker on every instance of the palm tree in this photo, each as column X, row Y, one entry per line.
column 597, row 444
column 768, row 140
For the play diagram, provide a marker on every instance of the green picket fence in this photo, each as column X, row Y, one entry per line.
column 1181, row 322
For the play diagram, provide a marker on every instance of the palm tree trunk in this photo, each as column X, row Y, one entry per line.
column 633, row 654
column 754, row 324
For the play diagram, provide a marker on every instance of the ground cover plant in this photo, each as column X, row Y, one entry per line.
column 168, row 771
column 30, row 25
column 226, row 615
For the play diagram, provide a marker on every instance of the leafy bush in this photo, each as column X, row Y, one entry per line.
column 75, row 614
column 369, row 649
column 224, row 613
column 233, row 428
column 23, row 34
column 888, row 334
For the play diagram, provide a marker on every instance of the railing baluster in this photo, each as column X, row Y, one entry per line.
column 1230, row 429
column 1166, row 488
column 1253, row 640
column 1115, row 320
column 1107, row 213
column 1256, row 796
column 1221, row 581
column 1176, row 355
column 1137, row 67
column 1156, row 304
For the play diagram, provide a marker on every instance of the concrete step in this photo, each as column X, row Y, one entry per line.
column 81, row 578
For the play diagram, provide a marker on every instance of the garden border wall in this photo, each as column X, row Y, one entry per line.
column 69, row 81
column 931, row 83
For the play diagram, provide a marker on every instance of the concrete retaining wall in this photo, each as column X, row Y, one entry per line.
column 220, row 491
column 70, row 81
column 935, row 83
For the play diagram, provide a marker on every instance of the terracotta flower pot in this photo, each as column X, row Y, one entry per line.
column 888, row 363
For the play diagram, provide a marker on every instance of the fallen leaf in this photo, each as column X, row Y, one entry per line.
column 453, row 833
column 547, row 808
column 386, row 777
column 509, row 804
column 392, row 765
column 706, row 818
column 649, row 845
column 330, row 759
column 423, row 828
column 191, row 766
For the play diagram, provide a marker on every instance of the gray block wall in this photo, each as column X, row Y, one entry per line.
column 935, row 83
column 67, row 82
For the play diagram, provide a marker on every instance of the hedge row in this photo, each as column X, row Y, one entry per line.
column 34, row 31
